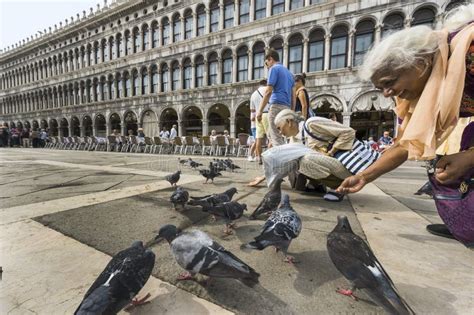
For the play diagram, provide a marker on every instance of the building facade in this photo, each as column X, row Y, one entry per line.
column 195, row 63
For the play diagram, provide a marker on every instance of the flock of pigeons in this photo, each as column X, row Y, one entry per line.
column 197, row 253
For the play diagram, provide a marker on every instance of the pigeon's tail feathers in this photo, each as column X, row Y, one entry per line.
column 392, row 303
column 96, row 302
column 253, row 245
column 252, row 279
column 425, row 189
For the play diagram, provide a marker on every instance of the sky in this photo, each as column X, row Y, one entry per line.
column 20, row 19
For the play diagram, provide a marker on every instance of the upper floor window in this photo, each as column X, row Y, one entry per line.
column 242, row 64
column 136, row 40
column 244, row 10
column 339, row 47
column 316, row 51
column 199, row 72
column 364, row 37
column 128, row 85
column 227, row 65
column 424, row 16
column 187, row 74
column 176, row 28
column 128, row 43
column 296, row 53
column 278, row 6
column 277, row 45
column 212, row 71
column 214, row 7
column 392, row 23
column 175, row 76
column 260, row 9
column 135, row 83
column 164, row 78
column 258, row 60
column 228, row 14
column 144, row 81
column 201, row 20
column 119, row 44
column 295, row 4
column 154, row 34
column 145, row 36
column 188, row 24
column 165, row 35
column 154, row 79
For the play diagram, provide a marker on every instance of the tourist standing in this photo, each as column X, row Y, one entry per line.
column 174, row 132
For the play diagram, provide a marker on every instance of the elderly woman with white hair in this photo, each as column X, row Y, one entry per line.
column 431, row 76
column 337, row 153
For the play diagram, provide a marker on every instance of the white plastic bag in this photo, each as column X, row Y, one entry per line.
column 281, row 160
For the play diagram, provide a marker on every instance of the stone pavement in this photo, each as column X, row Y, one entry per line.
column 63, row 213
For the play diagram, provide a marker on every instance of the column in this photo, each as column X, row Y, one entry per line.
column 194, row 31
column 123, row 127
column 160, row 36
column 205, row 81
column 269, row 8
column 183, row 26
column 149, row 80
column 220, row 68
column 205, row 127
column 170, row 78
column 346, row 119
column 285, row 54
column 327, row 51
column 71, row 129
column 180, row 128
column 307, row 3
column 438, row 21
column 378, row 31
column 407, row 22
column 250, row 65
column 232, row 126
column 82, row 132
column 181, row 77
column 350, row 48
column 171, row 33
column 287, row 5
column 305, row 54
column 252, row 11
column 234, row 68
column 208, row 20
column 193, row 75
column 236, row 12
column 158, row 69
column 221, row 15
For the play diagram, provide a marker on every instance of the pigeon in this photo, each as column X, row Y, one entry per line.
column 215, row 199
column 230, row 211
column 230, row 165
column 355, row 260
column 179, row 197
column 173, row 178
column 194, row 164
column 281, row 228
column 217, row 165
column 184, row 162
column 270, row 201
column 197, row 253
column 123, row 277
column 210, row 174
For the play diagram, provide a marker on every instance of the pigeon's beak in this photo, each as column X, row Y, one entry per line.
column 158, row 238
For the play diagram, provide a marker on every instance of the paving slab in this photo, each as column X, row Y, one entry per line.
column 434, row 274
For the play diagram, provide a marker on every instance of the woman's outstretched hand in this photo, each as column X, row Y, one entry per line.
column 352, row 184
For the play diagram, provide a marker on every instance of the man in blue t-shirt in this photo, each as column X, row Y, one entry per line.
column 279, row 94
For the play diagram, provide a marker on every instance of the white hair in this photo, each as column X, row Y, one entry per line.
column 404, row 48
column 287, row 114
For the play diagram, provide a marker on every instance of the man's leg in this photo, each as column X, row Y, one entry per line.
column 274, row 134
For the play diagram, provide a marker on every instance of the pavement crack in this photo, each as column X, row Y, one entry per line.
column 115, row 185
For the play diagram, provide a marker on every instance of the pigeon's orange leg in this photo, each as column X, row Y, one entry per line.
column 185, row 276
column 137, row 302
column 348, row 292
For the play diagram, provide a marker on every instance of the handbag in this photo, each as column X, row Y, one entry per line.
column 455, row 205
column 360, row 157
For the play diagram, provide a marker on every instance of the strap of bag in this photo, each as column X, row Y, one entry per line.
column 312, row 135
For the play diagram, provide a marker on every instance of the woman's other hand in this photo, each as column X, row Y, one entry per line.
column 455, row 166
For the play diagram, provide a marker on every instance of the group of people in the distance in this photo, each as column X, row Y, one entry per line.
column 430, row 74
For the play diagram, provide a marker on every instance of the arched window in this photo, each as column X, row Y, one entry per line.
column 295, row 4
column 242, row 64
column 277, row 45
column 176, row 28
column 316, row 51
column 244, row 10
column 154, row 79
column 227, row 65
column 119, row 46
column 164, row 78
column 111, row 84
column 199, row 72
column 392, row 23
column 364, row 37
column 454, row 4
column 96, row 53
column 424, row 16
column 278, row 6
column 119, row 86
column 187, row 74
column 260, row 9
column 145, row 36
column 136, row 40
column 154, row 34
column 295, row 45
column 88, row 92
column 104, row 93
column 188, row 24
column 144, row 81
column 112, row 48
column 165, row 35
column 338, row 47
column 214, row 8
column 96, row 90
column 128, row 43
column 105, row 51
column 175, row 76
column 212, row 71
column 258, row 60
column 128, row 84
column 135, row 83
column 229, row 13
column 88, row 56
column 201, row 20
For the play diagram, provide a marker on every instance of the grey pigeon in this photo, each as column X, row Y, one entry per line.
column 123, row 277
column 279, row 230
column 179, row 197
column 194, row 164
column 184, row 162
column 197, row 253
column 355, row 260
column 270, row 201
column 173, row 178
column 215, row 199
column 209, row 174
column 230, row 165
column 230, row 211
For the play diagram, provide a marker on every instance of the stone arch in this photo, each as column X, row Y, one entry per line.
column 218, row 116
column 192, row 121
column 365, row 100
column 366, row 17
column 328, row 101
column 168, row 118
column 242, row 118
column 64, row 127
column 115, row 122
column 53, row 127
column 149, row 123
column 452, row 4
column 26, row 124
column 87, row 125
column 75, row 126
column 130, row 122
column 44, row 124
column 100, row 125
